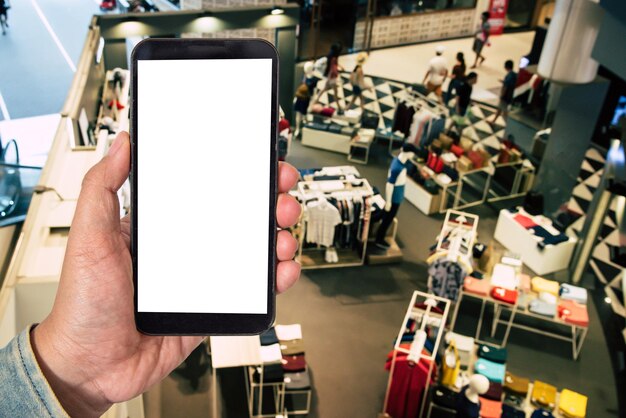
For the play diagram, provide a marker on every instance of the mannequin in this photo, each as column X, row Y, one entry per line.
column 394, row 192
column 468, row 405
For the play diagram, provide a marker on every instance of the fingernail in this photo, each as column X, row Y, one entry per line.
column 116, row 145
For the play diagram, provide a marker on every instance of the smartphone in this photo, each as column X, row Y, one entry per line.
column 204, row 185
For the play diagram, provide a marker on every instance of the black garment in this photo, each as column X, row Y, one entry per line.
column 403, row 118
column 466, row 408
column 386, row 222
column 464, row 94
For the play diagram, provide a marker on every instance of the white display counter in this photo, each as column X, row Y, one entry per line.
column 325, row 140
column 521, row 241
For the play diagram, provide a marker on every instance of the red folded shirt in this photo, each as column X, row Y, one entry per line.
column 294, row 363
column 504, row 295
column 573, row 313
column 457, row 150
column 525, row 221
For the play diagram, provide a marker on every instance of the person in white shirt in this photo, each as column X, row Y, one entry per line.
column 436, row 74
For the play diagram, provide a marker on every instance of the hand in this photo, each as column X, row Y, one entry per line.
column 88, row 347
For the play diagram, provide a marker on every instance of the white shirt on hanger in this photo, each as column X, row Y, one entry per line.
column 322, row 218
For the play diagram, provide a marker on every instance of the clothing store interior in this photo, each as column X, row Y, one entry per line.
column 462, row 182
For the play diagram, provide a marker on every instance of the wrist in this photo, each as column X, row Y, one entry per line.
column 73, row 387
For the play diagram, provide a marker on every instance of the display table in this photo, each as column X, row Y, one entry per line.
column 577, row 333
column 497, row 306
column 228, row 352
column 521, row 241
column 360, row 146
column 326, row 140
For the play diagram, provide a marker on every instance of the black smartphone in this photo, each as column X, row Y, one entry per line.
column 204, row 185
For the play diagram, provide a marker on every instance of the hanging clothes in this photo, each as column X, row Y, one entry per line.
column 445, row 278
column 419, row 126
column 322, row 218
column 403, row 118
column 436, row 127
column 407, row 386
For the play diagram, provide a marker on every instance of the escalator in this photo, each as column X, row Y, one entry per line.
column 17, row 183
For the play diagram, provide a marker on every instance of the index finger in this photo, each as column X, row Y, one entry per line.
column 287, row 177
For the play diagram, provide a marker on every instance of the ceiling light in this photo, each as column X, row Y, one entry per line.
column 277, row 11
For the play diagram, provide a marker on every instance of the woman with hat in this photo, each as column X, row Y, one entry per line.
column 357, row 79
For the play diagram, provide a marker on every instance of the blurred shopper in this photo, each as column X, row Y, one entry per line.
column 332, row 73
column 457, row 76
column 506, row 93
column 4, row 17
column 437, row 73
column 357, row 79
column 464, row 93
column 481, row 38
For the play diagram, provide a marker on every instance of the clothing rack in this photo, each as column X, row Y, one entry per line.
column 346, row 189
column 421, row 119
column 426, row 316
column 461, row 229
column 414, row 97
column 452, row 259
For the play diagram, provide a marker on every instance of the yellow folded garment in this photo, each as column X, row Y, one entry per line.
column 539, row 284
column 543, row 395
column 572, row 404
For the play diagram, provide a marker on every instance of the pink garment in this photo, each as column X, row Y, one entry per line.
column 418, row 126
column 477, row 286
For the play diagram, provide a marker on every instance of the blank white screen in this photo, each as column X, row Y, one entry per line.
column 203, row 137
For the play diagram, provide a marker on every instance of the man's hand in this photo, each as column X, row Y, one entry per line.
column 88, row 347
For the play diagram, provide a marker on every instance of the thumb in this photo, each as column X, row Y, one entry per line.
column 97, row 209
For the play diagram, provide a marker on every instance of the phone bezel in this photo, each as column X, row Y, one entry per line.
column 173, row 323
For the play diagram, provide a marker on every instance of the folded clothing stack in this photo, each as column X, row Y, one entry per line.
column 543, row 395
column 476, row 286
column 539, row 284
column 504, row 276
column 497, row 355
column 541, row 227
column 272, row 370
column 509, row 411
column 572, row 404
column 541, row 307
column 490, row 408
column 573, row 313
column 504, row 295
column 575, row 293
column 493, row 371
column 294, row 364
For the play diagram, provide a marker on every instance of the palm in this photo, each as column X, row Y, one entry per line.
column 125, row 361
column 128, row 361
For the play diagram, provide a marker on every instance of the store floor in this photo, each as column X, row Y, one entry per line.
column 410, row 63
column 350, row 317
